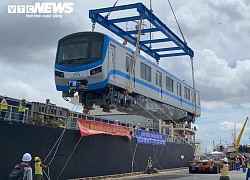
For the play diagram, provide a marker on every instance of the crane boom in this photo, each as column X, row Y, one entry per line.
column 236, row 143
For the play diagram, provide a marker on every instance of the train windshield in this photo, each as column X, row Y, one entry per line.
column 80, row 50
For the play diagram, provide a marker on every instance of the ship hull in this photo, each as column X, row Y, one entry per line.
column 94, row 156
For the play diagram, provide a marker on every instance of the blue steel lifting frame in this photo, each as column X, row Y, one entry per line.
column 144, row 13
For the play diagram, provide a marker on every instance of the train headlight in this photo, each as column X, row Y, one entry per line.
column 96, row 70
column 59, row 74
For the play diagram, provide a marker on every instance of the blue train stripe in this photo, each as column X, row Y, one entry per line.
column 102, row 84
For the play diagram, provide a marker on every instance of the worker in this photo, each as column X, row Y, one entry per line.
column 147, row 125
column 149, row 167
column 61, row 123
column 22, row 170
column 243, row 163
column 3, row 107
column 224, row 170
column 39, row 168
column 131, row 129
column 21, row 110
column 237, row 163
column 137, row 127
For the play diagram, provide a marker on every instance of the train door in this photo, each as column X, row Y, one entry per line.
column 112, row 58
column 159, row 83
column 178, row 87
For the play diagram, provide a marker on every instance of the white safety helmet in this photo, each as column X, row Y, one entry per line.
column 225, row 160
column 26, row 157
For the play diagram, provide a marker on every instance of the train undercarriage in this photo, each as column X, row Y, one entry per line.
column 112, row 97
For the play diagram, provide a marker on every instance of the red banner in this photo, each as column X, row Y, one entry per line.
column 88, row 128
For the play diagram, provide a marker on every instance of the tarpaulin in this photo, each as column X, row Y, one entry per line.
column 88, row 128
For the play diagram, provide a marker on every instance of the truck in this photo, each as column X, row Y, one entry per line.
column 204, row 166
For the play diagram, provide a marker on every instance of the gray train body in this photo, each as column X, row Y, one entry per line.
column 104, row 74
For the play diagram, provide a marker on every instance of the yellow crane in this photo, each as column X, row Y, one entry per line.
column 236, row 143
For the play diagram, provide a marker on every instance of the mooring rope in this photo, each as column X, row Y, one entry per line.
column 69, row 158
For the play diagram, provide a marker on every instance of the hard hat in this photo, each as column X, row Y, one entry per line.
column 26, row 157
column 37, row 158
column 23, row 99
column 225, row 160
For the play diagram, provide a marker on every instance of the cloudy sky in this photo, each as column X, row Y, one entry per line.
column 218, row 31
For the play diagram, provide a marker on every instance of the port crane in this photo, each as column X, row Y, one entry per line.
column 237, row 142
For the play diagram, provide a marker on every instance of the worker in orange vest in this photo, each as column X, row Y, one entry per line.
column 224, row 170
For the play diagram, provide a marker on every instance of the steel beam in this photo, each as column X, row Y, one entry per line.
column 167, row 49
column 143, row 31
column 158, row 25
column 173, row 54
column 123, row 34
column 155, row 41
column 164, row 29
column 126, row 19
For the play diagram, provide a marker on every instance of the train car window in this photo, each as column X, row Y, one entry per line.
column 74, row 48
column 198, row 99
column 158, row 81
column 186, row 93
column 129, row 63
column 145, row 72
column 169, row 84
column 96, row 47
column 80, row 50
column 178, row 88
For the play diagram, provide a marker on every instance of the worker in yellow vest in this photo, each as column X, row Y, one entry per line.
column 3, row 108
column 21, row 109
column 39, row 169
column 150, row 164
column 224, row 175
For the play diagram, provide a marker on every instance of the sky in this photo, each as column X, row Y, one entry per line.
column 218, row 31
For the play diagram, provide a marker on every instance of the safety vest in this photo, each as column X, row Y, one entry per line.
column 38, row 168
column 224, row 170
column 4, row 105
column 150, row 163
column 21, row 108
column 248, row 165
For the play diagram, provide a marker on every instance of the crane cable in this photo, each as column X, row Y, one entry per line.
column 191, row 58
column 157, row 118
column 107, row 15
column 194, row 93
column 177, row 21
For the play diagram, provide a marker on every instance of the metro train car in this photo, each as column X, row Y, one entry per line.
column 100, row 69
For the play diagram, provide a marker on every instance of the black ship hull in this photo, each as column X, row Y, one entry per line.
column 94, row 156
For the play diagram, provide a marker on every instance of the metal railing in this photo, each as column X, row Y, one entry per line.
column 12, row 115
